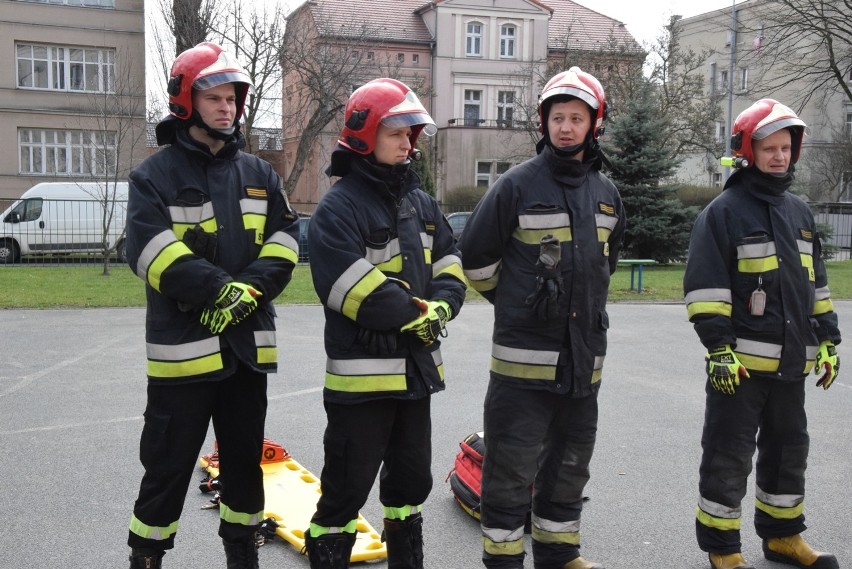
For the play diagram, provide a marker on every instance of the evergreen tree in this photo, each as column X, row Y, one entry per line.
column 658, row 225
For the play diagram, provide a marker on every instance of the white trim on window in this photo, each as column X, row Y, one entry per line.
column 65, row 68
column 67, row 152
column 473, row 39
column 508, row 34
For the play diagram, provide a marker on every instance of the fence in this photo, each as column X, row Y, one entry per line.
column 837, row 216
column 44, row 230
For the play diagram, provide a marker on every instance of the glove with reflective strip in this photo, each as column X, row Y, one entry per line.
column 379, row 342
column 724, row 369
column 548, row 279
column 828, row 361
column 429, row 326
column 235, row 302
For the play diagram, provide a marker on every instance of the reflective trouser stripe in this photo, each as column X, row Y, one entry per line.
column 550, row 531
column 152, row 532
column 780, row 506
column 317, row 531
column 718, row 516
column 401, row 513
column 502, row 541
column 241, row 518
column 365, row 375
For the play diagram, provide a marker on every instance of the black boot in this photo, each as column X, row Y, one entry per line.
column 329, row 551
column 405, row 542
column 242, row 555
column 146, row 558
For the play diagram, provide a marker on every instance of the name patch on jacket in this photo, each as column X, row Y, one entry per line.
column 606, row 208
column 256, row 193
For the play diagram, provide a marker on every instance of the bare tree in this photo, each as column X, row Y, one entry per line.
column 807, row 42
column 112, row 127
column 830, row 167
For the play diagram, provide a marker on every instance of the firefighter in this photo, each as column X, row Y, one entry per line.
column 757, row 294
column 541, row 246
column 212, row 235
column 386, row 268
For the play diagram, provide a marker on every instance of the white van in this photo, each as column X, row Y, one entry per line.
column 64, row 218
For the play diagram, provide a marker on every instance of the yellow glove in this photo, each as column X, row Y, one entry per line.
column 429, row 326
column 724, row 369
column 235, row 302
column 828, row 360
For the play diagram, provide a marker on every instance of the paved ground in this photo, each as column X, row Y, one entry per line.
column 72, row 395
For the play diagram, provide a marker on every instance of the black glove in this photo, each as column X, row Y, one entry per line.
column 378, row 342
column 548, row 280
column 201, row 243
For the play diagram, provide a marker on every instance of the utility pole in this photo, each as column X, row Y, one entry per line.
column 731, row 66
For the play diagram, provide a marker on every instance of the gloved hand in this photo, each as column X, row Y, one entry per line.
column 827, row 360
column 234, row 303
column 429, row 326
column 378, row 342
column 548, row 280
column 724, row 369
column 201, row 243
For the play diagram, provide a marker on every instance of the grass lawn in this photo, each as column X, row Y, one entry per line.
column 86, row 287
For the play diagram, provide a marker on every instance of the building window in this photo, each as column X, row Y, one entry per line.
column 87, row 3
column 723, row 81
column 505, row 108
column 507, row 41
column 472, row 107
column 743, row 78
column 487, row 171
column 716, row 179
column 415, row 58
column 849, row 120
column 370, row 56
column 400, row 57
column 474, row 39
column 720, row 131
column 713, row 79
column 65, row 68
column 67, row 152
column 353, row 54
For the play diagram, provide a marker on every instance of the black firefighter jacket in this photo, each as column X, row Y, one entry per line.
column 548, row 194
column 756, row 235
column 375, row 223
column 238, row 197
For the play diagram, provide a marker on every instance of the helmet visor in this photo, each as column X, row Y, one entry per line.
column 767, row 129
column 411, row 119
column 220, row 78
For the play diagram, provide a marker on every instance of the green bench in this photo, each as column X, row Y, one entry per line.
column 634, row 263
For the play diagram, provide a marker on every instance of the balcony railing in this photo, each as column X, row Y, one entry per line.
column 491, row 123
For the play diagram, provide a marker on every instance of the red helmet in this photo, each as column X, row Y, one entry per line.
column 759, row 121
column 386, row 101
column 203, row 67
column 576, row 83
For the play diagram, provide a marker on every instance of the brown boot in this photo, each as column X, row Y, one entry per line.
column 729, row 561
column 795, row 551
column 581, row 563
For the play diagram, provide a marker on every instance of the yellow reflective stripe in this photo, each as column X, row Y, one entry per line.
column 780, row 513
column 152, row 532
column 542, row 536
column 242, row 518
column 365, row 383
column 360, row 291
column 195, row 366
column 533, row 236
column 278, row 251
column 353, row 286
column 823, row 306
column 267, row 355
column 717, row 523
column 525, row 371
column 164, row 260
column 603, row 234
column 449, row 265
column 317, row 531
column 254, row 221
column 806, row 260
column 515, row 547
column 757, row 265
column 427, row 256
column 180, row 228
column 721, row 308
column 757, row 363
column 401, row 513
column 394, row 265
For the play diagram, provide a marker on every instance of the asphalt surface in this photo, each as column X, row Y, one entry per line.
column 72, row 392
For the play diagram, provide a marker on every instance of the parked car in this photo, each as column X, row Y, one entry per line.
column 304, row 222
column 457, row 221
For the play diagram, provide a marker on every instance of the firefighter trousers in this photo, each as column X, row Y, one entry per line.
column 392, row 434
column 176, row 422
column 763, row 414
column 542, row 442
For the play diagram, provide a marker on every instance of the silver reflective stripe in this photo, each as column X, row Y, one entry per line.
column 483, row 273
column 426, row 240
column 191, row 214
column 756, row 251
column 544, row 221
column 718, row 510
column 383, row 255
column 498, row 535
column 182, row 352
column 779, row 500
column 822, row 293
column 811, row 352
column 437, row 358
column 607, row 221
column 709, row 295
column 151, row 250
column 445, row 262
column 552, row 526
column 347, row 280
column 762, row 349
column 284, row 239
column 599, row 360
column 253, row 206
column 366, row 366
column 534, row 357
column 805, row 247
column 264, row 338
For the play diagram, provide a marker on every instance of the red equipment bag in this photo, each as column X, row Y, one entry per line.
column 466, row 476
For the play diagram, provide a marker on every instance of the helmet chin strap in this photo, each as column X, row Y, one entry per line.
column 217, row 133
